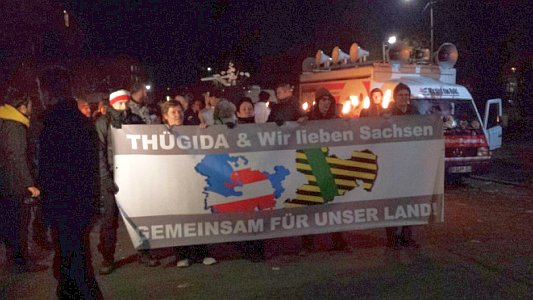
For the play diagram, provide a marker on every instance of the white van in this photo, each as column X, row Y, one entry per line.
column 469, row 139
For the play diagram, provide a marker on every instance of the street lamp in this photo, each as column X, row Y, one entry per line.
column 66, row 18
column 391, row 40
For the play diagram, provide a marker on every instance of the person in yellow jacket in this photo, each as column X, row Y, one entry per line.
column 16, row 180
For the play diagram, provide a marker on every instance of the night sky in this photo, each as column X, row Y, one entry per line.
column 177, row 40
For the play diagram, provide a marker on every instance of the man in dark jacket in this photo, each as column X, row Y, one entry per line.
column 118, row 114
column 287, row 108
column 68, row 176
column 401, row 236
column 16, row 181
column 138, row 106
column 402, row 102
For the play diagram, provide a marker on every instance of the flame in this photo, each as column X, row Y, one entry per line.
column 355, row 101
column 366, row 103
column 386, row 99
column 268, row 104
column 346, row 107
column 305, row 106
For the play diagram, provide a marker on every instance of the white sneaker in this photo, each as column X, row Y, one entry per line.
column 184, row 263
column 209, row 261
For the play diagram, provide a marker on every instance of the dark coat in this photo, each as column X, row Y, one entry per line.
column 249, row 120
column 286, row 110
column 394, row 111
column 141, row 110
column 315, row 113
column 115, row 119
column 375, row 110
column 191, row 117
column 15, row 175
column 68, row 166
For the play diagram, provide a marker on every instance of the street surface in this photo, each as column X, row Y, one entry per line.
column 482, row 251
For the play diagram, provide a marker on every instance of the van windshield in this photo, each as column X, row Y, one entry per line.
column 459, row 116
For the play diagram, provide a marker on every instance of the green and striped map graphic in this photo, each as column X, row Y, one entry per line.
column 329, row 176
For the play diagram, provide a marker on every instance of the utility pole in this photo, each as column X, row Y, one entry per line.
column 430, row 6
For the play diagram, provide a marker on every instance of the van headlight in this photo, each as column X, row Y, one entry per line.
column 482, row 151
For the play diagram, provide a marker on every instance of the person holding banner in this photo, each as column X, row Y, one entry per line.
column 253, row 250
column 324, row 109
column 172, row 115
column 117, row 115
column 401, row 236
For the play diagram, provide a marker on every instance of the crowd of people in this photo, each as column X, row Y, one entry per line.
column 73, row 149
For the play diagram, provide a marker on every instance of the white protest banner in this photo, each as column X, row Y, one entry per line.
column 187, row 185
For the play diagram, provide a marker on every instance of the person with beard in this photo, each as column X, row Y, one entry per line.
column 118, row 114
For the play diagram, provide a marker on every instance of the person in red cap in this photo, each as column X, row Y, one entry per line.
column 117, row 115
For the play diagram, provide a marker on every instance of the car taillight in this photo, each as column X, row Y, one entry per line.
column 482, row 151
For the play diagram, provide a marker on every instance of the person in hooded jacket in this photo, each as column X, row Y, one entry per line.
column 118, row 114
column 324, row 109
column 16, row 180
